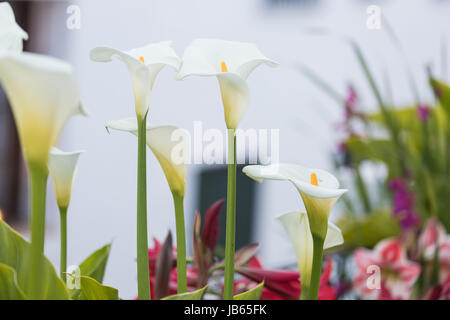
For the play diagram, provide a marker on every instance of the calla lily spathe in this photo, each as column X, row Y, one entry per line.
column 11, row 34
column 164, row 141
column 43, row 93
column 318, row 189
column 143, row 64
column 232, row 63
column 296, row 225
column 62, row 167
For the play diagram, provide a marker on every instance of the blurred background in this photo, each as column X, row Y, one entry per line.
column 294, row 33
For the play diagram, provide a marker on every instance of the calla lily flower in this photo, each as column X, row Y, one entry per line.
column 296, row 225
column 162, row 140
column 43, row 93
column 11, row 34
column 164, row 143
column 318, row 189
column 143, row 64
column 62, row 167
column 232, row 63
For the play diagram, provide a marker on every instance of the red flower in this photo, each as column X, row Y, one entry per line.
column 439, row 292
column 396, row 277
column 281, row 284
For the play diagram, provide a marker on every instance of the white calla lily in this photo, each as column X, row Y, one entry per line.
column 11, row 34
column 62, row 167
column 296, row 225
column 232, row 63
column 143, row 64
column 319, row 189
column 43, row 93
column 169, row 144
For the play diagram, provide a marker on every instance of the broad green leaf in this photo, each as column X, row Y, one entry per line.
column 193, row 295
column 94, row 266
column 252, row 294
column 9, row 288
column 91, row 289
column 15, row 253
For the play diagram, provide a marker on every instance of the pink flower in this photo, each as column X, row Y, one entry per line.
column 432, row 238
column 397, row 274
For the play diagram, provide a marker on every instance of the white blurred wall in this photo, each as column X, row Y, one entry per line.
column 103, row 202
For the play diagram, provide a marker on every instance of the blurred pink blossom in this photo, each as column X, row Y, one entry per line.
column 397, row 273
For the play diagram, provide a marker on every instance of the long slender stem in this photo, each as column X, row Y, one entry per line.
column 316, row 267
column 63, row 258
column 231, row 218
column 38, row 183
column 143, row 272
column 304, row 292
column 181, row 243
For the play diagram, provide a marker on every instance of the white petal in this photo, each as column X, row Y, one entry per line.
column 235, row 98
column 163, row 141
column 62, row 167
column 127, row 124
column 300, row 176
column 170, row 145
column 143, row 74
column 157, row 53
column 43, row 93
column 11, row 34
column 297, row 226
column 203, row 57
column 334, row 236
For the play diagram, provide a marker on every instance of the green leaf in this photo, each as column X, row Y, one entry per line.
column 91, row 289
column 193, row 295
column 9, row 288
column 252, row 294
column 15, row 253
column 442, row 93
column 94, row 266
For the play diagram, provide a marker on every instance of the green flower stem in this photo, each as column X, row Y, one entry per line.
column 316, row 267
column 143, row 273
column 304, row 292
column 181, row 242
column 38, row 183
column 63, row 258
column 231, row 218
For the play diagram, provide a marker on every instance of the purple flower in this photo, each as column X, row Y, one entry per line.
column 403, row 204
column 423, row 112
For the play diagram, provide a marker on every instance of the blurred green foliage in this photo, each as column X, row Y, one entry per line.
column 411, row 142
